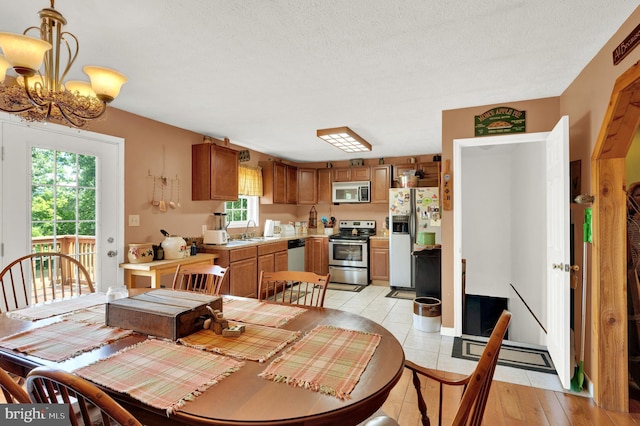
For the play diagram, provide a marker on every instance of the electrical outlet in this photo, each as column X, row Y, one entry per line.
column 134, row 220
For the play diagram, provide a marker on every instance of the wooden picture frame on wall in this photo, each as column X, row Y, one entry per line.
column 574, row 179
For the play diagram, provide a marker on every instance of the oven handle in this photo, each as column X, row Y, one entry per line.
column 348, row 243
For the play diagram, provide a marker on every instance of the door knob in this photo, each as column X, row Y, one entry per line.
column 558, row 266
column 112, row 253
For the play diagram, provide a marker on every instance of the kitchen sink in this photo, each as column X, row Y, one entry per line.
column 234, row 243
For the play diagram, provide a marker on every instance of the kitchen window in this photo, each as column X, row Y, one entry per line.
column 240, row 212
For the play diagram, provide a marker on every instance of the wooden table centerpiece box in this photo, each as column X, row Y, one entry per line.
column 171, row 314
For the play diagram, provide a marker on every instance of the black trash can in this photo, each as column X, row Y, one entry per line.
column 426, row 273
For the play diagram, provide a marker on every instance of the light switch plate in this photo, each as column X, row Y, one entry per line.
column 134, row 220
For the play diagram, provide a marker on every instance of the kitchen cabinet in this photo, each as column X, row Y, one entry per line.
column 279, row 182
column 430, row 171
column 380, row 183
column 351, row 174
column 273, row 257
column 379, row 259
column 324, row 186
column 307, row 186
column 316, row 255
column 214, row 172
column 242, row 277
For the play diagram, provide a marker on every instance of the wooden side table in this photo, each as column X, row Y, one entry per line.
column 155, row 269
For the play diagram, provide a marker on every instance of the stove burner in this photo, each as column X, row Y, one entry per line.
column 355, row 230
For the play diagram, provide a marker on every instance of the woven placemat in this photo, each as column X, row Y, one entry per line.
column 328, row 360
column 159, row 373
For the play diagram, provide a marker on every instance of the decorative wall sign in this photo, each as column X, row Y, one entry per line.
column 500, row 120
column 627, row 45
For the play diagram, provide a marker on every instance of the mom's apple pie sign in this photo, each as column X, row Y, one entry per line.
column 500, row 120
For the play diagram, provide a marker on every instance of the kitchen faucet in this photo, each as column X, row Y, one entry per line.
column 246, row 229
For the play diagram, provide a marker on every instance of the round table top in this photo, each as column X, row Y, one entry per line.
column 244, row 398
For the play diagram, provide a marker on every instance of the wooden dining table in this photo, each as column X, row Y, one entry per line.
column 244, row 398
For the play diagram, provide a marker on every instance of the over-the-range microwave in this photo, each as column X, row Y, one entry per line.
column 351, row 192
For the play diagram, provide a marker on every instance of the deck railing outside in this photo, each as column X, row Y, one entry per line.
column 84, row 251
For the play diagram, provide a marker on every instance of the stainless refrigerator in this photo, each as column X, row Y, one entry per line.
column 412, row 211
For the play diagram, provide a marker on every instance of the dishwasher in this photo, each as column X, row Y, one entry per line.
column 295, row 254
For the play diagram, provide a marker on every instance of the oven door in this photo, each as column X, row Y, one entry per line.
column 348, row 253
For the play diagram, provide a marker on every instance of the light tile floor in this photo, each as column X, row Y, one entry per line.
column 427, row 349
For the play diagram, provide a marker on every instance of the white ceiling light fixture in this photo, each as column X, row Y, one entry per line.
column 344, row 138
column 43, row 95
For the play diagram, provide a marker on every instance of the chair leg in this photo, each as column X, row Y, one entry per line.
column 422, row 406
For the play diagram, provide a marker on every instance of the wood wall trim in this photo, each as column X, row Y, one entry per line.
column 608, row 273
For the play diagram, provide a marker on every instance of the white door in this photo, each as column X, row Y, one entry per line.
column 557, row 245
column 17, row 141
column 557, row 147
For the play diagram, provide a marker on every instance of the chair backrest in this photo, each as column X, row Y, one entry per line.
column 293, row 287
column 199, row 278
column 48, row 385
column 474, row 398
column 39, row 277
column 12, row 391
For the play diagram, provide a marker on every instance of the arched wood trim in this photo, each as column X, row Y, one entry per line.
column 609, row 354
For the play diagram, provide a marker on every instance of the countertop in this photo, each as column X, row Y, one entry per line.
column 257, row 241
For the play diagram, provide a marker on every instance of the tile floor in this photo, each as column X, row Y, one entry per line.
column 428, row 349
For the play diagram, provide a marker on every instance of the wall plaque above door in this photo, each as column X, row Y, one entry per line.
column 499, row 121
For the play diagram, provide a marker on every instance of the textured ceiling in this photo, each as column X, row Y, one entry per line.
column 267, row 74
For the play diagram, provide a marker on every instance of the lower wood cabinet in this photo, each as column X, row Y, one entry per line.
column 242, row 278
column 273, row 257
column 379, row 259
column 245, row 264
column 316, row 255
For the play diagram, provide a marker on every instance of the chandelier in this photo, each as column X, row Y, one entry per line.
column 38, row 92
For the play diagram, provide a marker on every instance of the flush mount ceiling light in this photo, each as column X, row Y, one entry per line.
column 344, row 138
column 43, row 95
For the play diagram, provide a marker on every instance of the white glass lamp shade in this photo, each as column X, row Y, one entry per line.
column 25, row 54
column 82, row 87
column 106, row 83
column 4, row 66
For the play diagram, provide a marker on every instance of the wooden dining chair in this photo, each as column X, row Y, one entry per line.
column 40, row 277
column 199, row 278
column 293, row 287
column 87, row 403
column 11, row 389
column 475, row 387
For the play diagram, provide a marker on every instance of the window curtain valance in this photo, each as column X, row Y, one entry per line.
column 250, row 180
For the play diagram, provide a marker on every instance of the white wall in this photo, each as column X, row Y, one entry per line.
column 486, row 223
column 528, row 243
column 503, row 223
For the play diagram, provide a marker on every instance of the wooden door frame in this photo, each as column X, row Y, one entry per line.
column 609, row 353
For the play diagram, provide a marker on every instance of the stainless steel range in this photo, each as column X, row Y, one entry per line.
column 349, row 252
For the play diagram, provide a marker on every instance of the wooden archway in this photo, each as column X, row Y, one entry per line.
column 609, row 355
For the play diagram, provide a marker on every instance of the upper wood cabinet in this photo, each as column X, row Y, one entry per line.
column 214, row 172
column 380, row 183
column 324, row 186
column 279, row 182
column 430, row 171
column 349, row 174
column 307, row 186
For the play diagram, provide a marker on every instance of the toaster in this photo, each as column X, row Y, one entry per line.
column 215, row 237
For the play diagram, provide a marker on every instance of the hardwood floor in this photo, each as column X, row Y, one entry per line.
column 508, row 404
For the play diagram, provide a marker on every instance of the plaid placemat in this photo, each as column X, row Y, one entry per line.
column 58, row 307
column 253, row 311
column 63, row 339
column 257, row 343
column 93, row 315
column 159, row 373
column 328, row 360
